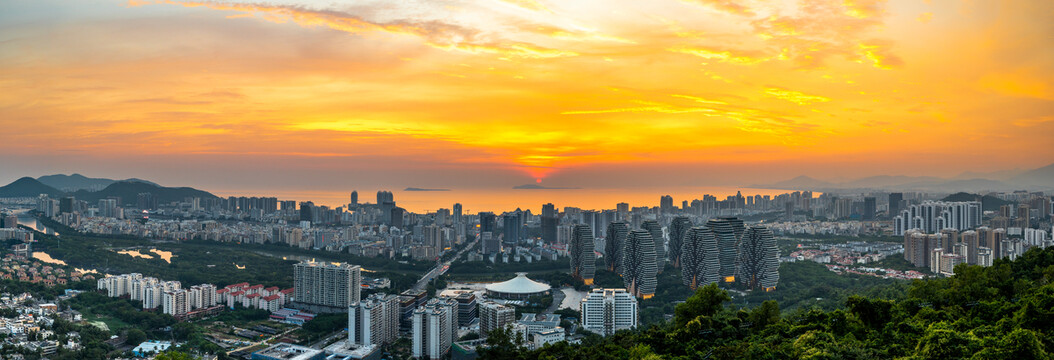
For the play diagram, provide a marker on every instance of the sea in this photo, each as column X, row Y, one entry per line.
column 499, row 200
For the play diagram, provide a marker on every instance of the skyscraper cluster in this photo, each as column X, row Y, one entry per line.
column 933, row 216
column 583, row 256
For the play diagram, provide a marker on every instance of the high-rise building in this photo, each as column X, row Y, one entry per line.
column 972, row 240
column 386, row 200
column 653, row 228
column 666, row 204
column 375, row 320
column 146, row 201
column 175, row 302
column 442, row 217
column 728, row 231
column 488, row 243
column 67, row 205
column 678, row 227
column 396, row 217
column 11, row 221
column 918, row 247
column 457, row 214
column 700, row 264
column 870, row 208
column 1023, row 216
column 894, row 204
column 467, row 309
column 616, row 236
column 434, row 328
column 333, row 287
column 622, row 211
column 638, row 264
column 307, row 211
column 605, row 311
column 494, row 316
column 488, row 223
column 759, row 259
column 549, row 223
column 513, row 227
column 583, row 257
column 354, row 197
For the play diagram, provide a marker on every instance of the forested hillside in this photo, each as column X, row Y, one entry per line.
column 1005, row 311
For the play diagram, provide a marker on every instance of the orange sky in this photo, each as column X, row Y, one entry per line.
column 501, row 93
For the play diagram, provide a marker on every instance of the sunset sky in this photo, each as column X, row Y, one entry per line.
column 456, row 94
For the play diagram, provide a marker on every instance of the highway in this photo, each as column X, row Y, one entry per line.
column 441, row 268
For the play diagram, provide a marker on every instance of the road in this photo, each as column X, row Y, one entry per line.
column 558, row 298
column 441, row 268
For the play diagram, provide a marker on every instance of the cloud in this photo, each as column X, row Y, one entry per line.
column 423, row 189
column 880, row 54
column 532, row 5
column 1036, row 121
column 729, row 6
column 925, row 17
column 864, row 9
column 820, row 29
column 729, row 56
column 438, row 34
column 797, row 97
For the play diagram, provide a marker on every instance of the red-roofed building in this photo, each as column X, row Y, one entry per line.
column 251, row 301
column 271, row 303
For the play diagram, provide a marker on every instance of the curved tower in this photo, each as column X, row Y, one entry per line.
column 678, row 227
column 728, row 231
column 616, row 236
column 699, row 257
column 638, row 264
column 653, row 228
column 583, row 257
column 759, row 259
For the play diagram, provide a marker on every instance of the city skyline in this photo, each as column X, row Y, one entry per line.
column 499, row 94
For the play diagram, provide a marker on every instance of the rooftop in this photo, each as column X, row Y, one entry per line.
column 518, row 285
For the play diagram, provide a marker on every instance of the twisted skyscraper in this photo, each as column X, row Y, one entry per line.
column 583, row 257
column 678, row 227
column 728, row 231
column 699, row 258
column 758, row 259
column 653, row 228
column 616, row 236
column 638, row 264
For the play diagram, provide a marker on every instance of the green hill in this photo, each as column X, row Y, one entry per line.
column 988, row 203
column 129, row 190
column 1005, row 311
column 27, row 187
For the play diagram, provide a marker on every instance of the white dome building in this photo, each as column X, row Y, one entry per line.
column 517, row 288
